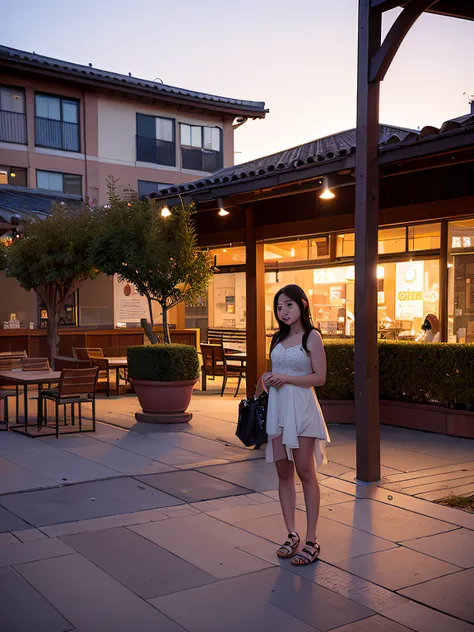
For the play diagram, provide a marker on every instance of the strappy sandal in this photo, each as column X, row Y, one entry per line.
column 309, row 554
column 289, row 547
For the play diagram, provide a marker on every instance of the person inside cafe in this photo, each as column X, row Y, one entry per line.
column 431, row 329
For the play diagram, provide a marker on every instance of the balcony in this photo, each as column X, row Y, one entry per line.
column 57, row 134
column 159, row 152
column 199, row 159
column 12, row 127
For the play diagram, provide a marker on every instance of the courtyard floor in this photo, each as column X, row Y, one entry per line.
column 139, row 527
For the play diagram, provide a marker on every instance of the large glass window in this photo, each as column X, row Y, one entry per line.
column 13, row 175
column 57, row 122
column 146, row 187
column 392, row 240
column 424, row 237
column 12, row 115
column 227, row 301
column 53, row 181
column 156, row 140
column 461, row 281
column 345, row 245
column 228, row 255
column 297, row 250
column 201, row 147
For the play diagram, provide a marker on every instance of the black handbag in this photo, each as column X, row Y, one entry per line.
column 251, row 425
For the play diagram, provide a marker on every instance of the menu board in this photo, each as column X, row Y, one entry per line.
column 129, row 306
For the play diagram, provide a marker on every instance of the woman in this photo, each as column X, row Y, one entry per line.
column 295, row 424
column 431, row 329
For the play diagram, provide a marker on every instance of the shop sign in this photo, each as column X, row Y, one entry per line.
column 129, row 305
column 409, row 290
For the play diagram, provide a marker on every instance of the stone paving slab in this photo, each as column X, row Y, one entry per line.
column 119, row 460
column 15, row 478
column 268, row 600
column 328, row 497
column 32, row 551
column 56, row 465
column 258, row 476
column 452, row 594
column 23, row 609
column 206, row 447
column 455, row 547
column 90, row 599
column 338, row 541
column 145, row 568
column 376, row 623
column 87, row 500
column 391, row 523
column 422, row 619
column 192, row 486
column 29, row 535
column 397, row 568
column 206, row 543
column 11, row 522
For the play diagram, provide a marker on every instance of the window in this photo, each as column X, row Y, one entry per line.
column 345, row 245
column 57, row 123
column 201, row 147
column 145, row 187
column 12, row 115
column 424, row 237
column 13, row 175
column 52, row 181
column 228, row 255
column 156, row 140
column 392, row 240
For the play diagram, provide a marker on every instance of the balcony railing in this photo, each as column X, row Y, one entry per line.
column 201, row 159
column 57, row 134
column 160, row 152
column 12, row 127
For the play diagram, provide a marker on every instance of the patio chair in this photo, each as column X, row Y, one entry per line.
column 215, row 363
column 35, row 364
column 8, row 363
column 13, row 354
column 76, row 386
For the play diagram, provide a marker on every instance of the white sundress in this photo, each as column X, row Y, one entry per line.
column 294, row 411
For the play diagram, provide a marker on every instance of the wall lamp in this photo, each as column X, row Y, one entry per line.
column 165, row 212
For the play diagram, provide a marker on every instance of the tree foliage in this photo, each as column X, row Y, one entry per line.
column 53, row 257
column 160, row 255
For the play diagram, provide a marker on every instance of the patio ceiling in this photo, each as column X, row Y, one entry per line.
column 463, row 9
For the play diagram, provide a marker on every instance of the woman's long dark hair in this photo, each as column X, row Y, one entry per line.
column 296, row 294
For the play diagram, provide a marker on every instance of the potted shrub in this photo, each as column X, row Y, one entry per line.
column 163, row 376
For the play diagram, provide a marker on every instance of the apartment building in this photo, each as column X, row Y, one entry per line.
column 66, row 128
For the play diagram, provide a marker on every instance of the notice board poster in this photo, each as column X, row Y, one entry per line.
column 409, row 288
column 129, row 306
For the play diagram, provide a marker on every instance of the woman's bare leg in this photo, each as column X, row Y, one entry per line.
column 286, row 490
column 304, row 462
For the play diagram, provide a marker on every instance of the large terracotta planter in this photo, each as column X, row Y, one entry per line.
column 163, row 402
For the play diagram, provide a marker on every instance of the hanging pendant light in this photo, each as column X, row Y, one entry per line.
column 222, row 211
column 327, row 194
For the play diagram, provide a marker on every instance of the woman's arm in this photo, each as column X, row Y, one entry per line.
column 318, row 364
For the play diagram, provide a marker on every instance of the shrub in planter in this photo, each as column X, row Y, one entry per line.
column 163, row 376
column 163, row 363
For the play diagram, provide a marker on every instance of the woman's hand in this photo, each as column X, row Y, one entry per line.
column 276, row 379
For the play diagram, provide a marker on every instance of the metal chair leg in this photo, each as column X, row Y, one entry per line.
column 224, row 382
column 80, row 417
column 57, row 420
column 238, row 386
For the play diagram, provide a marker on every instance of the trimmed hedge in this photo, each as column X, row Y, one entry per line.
column 163, row 363
column 421, row 373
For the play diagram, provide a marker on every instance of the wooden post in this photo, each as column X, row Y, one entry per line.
column 443, row 280
column 255, row 303
column 366, row 250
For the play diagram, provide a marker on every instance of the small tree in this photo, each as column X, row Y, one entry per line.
column 52, row 257
column 159, row 255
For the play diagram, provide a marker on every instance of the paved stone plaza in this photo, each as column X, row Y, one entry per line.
column 171, row 529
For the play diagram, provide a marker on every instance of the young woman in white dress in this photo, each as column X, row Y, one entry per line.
column 297, row 433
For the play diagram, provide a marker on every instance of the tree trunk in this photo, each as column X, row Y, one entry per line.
column 166, row 329
column 53, row 332
column 149, row 328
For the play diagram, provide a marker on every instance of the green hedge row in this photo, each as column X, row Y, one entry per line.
column 163, row 363
column 420, row 373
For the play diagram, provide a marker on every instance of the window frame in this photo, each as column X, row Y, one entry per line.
column 137, row 136
column 23, row 91
column 63, row 174
column 61, row 121
column 159, row 184
column 203, row 149
column 9, row 169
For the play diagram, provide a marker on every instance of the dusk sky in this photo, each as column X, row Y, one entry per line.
column 299, row 57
